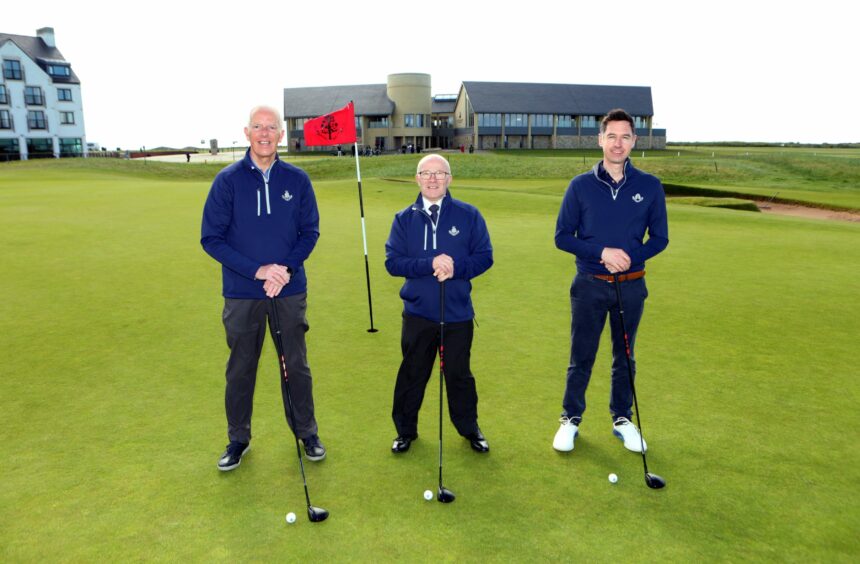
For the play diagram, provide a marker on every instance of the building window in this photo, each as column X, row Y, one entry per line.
column 489, row 120
column 542, row 120
column 40, row 148
column 413, row 120
column 59, row 70
column 33, row 96
column 12, row 70
column 590, row 121
column 64, row 94
column 36, row 120
column 566, row 120
column 299, row 124
column 5, row 120
column 9, row 149
column 378, row 122
column 516, row 120
column 67, row 118
column 640, row 122
column 4, row 95
column 70, row 147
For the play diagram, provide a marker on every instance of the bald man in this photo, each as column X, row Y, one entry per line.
column 437, row 240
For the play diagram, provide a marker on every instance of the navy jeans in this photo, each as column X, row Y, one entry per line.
column 591, row 299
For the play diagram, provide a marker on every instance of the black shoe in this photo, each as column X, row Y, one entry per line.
column 478, row 442
column 232, row 457
column 314, row 448
column 402, row 443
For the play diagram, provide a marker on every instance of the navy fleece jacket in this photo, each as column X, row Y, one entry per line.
column 249, row 222
column 460, row 233
column 594, row 215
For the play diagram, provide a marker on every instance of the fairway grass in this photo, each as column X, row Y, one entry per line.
column 114, row 355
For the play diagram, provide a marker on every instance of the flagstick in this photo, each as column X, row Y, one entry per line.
column 364, row 238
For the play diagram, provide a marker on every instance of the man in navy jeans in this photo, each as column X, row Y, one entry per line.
column 603, row 219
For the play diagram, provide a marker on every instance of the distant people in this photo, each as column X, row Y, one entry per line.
column 437, row 240
column 188, row 157
column 339, row 151
column 298, row 145
column 603, row 219
column 471, row 148
column 261, row 222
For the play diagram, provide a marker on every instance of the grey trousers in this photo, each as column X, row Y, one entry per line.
column 245, row 324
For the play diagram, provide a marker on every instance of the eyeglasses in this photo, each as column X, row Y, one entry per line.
column 426, row 174
column 260, row 127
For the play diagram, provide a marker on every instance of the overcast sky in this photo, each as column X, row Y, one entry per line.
column 173, row 73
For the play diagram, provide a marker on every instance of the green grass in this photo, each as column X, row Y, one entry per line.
column 817, row 177
column 727, row 203
column 113, row 388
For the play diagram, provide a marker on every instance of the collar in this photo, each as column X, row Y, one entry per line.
column 601, row 173
column 249, row 162
column 428, row 203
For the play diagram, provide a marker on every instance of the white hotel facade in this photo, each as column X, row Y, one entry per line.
column 41, row 113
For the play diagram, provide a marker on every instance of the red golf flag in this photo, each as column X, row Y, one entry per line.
column 331, row 129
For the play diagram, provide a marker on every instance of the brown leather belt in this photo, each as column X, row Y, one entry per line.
column 621, row 277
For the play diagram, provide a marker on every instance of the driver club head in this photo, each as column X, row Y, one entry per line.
column 444, row 495
column 317, row 514
column 654, row 481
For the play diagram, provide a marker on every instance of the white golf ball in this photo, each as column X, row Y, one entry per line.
column 428, row 495
column 613, row 478
column 291, row 517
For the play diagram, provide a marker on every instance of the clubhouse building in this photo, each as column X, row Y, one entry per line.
column 41, row 114
column 482, row 115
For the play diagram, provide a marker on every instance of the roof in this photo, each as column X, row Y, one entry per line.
column 41, row 54
column 574, row 99
column 369, row 99
column 444, row 104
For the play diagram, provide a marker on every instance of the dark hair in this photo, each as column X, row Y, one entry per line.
column 617, row 115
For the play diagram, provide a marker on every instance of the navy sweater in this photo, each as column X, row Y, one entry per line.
column 593, row 216
column 248, row 223
column 460, row 233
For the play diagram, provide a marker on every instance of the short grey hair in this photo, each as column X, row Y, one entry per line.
column 433, row 156
column 269, row 109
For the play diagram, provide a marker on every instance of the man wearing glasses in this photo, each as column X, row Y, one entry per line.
column 261, row 223
column 437, row 240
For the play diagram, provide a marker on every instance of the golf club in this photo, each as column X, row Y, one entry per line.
column 444, row 495
column 653, row 481
column 315, row 514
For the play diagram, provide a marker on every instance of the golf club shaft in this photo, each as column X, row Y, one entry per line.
column 617, row 284
column 280, row 348
column 441, row 368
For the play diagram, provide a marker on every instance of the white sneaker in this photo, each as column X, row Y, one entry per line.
column 627, row 432
column 563, row 441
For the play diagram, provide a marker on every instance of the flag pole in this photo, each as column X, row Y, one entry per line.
column 363, row 235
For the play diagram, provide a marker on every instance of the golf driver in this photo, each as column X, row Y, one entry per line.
column 315, row 514
column 444, row 495
column 653, row 481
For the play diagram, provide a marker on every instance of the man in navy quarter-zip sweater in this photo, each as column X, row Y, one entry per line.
column 603, row 219
column 437, row 240
column 261, row 222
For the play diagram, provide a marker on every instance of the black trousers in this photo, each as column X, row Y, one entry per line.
column 245, row 324
column 419, row 342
